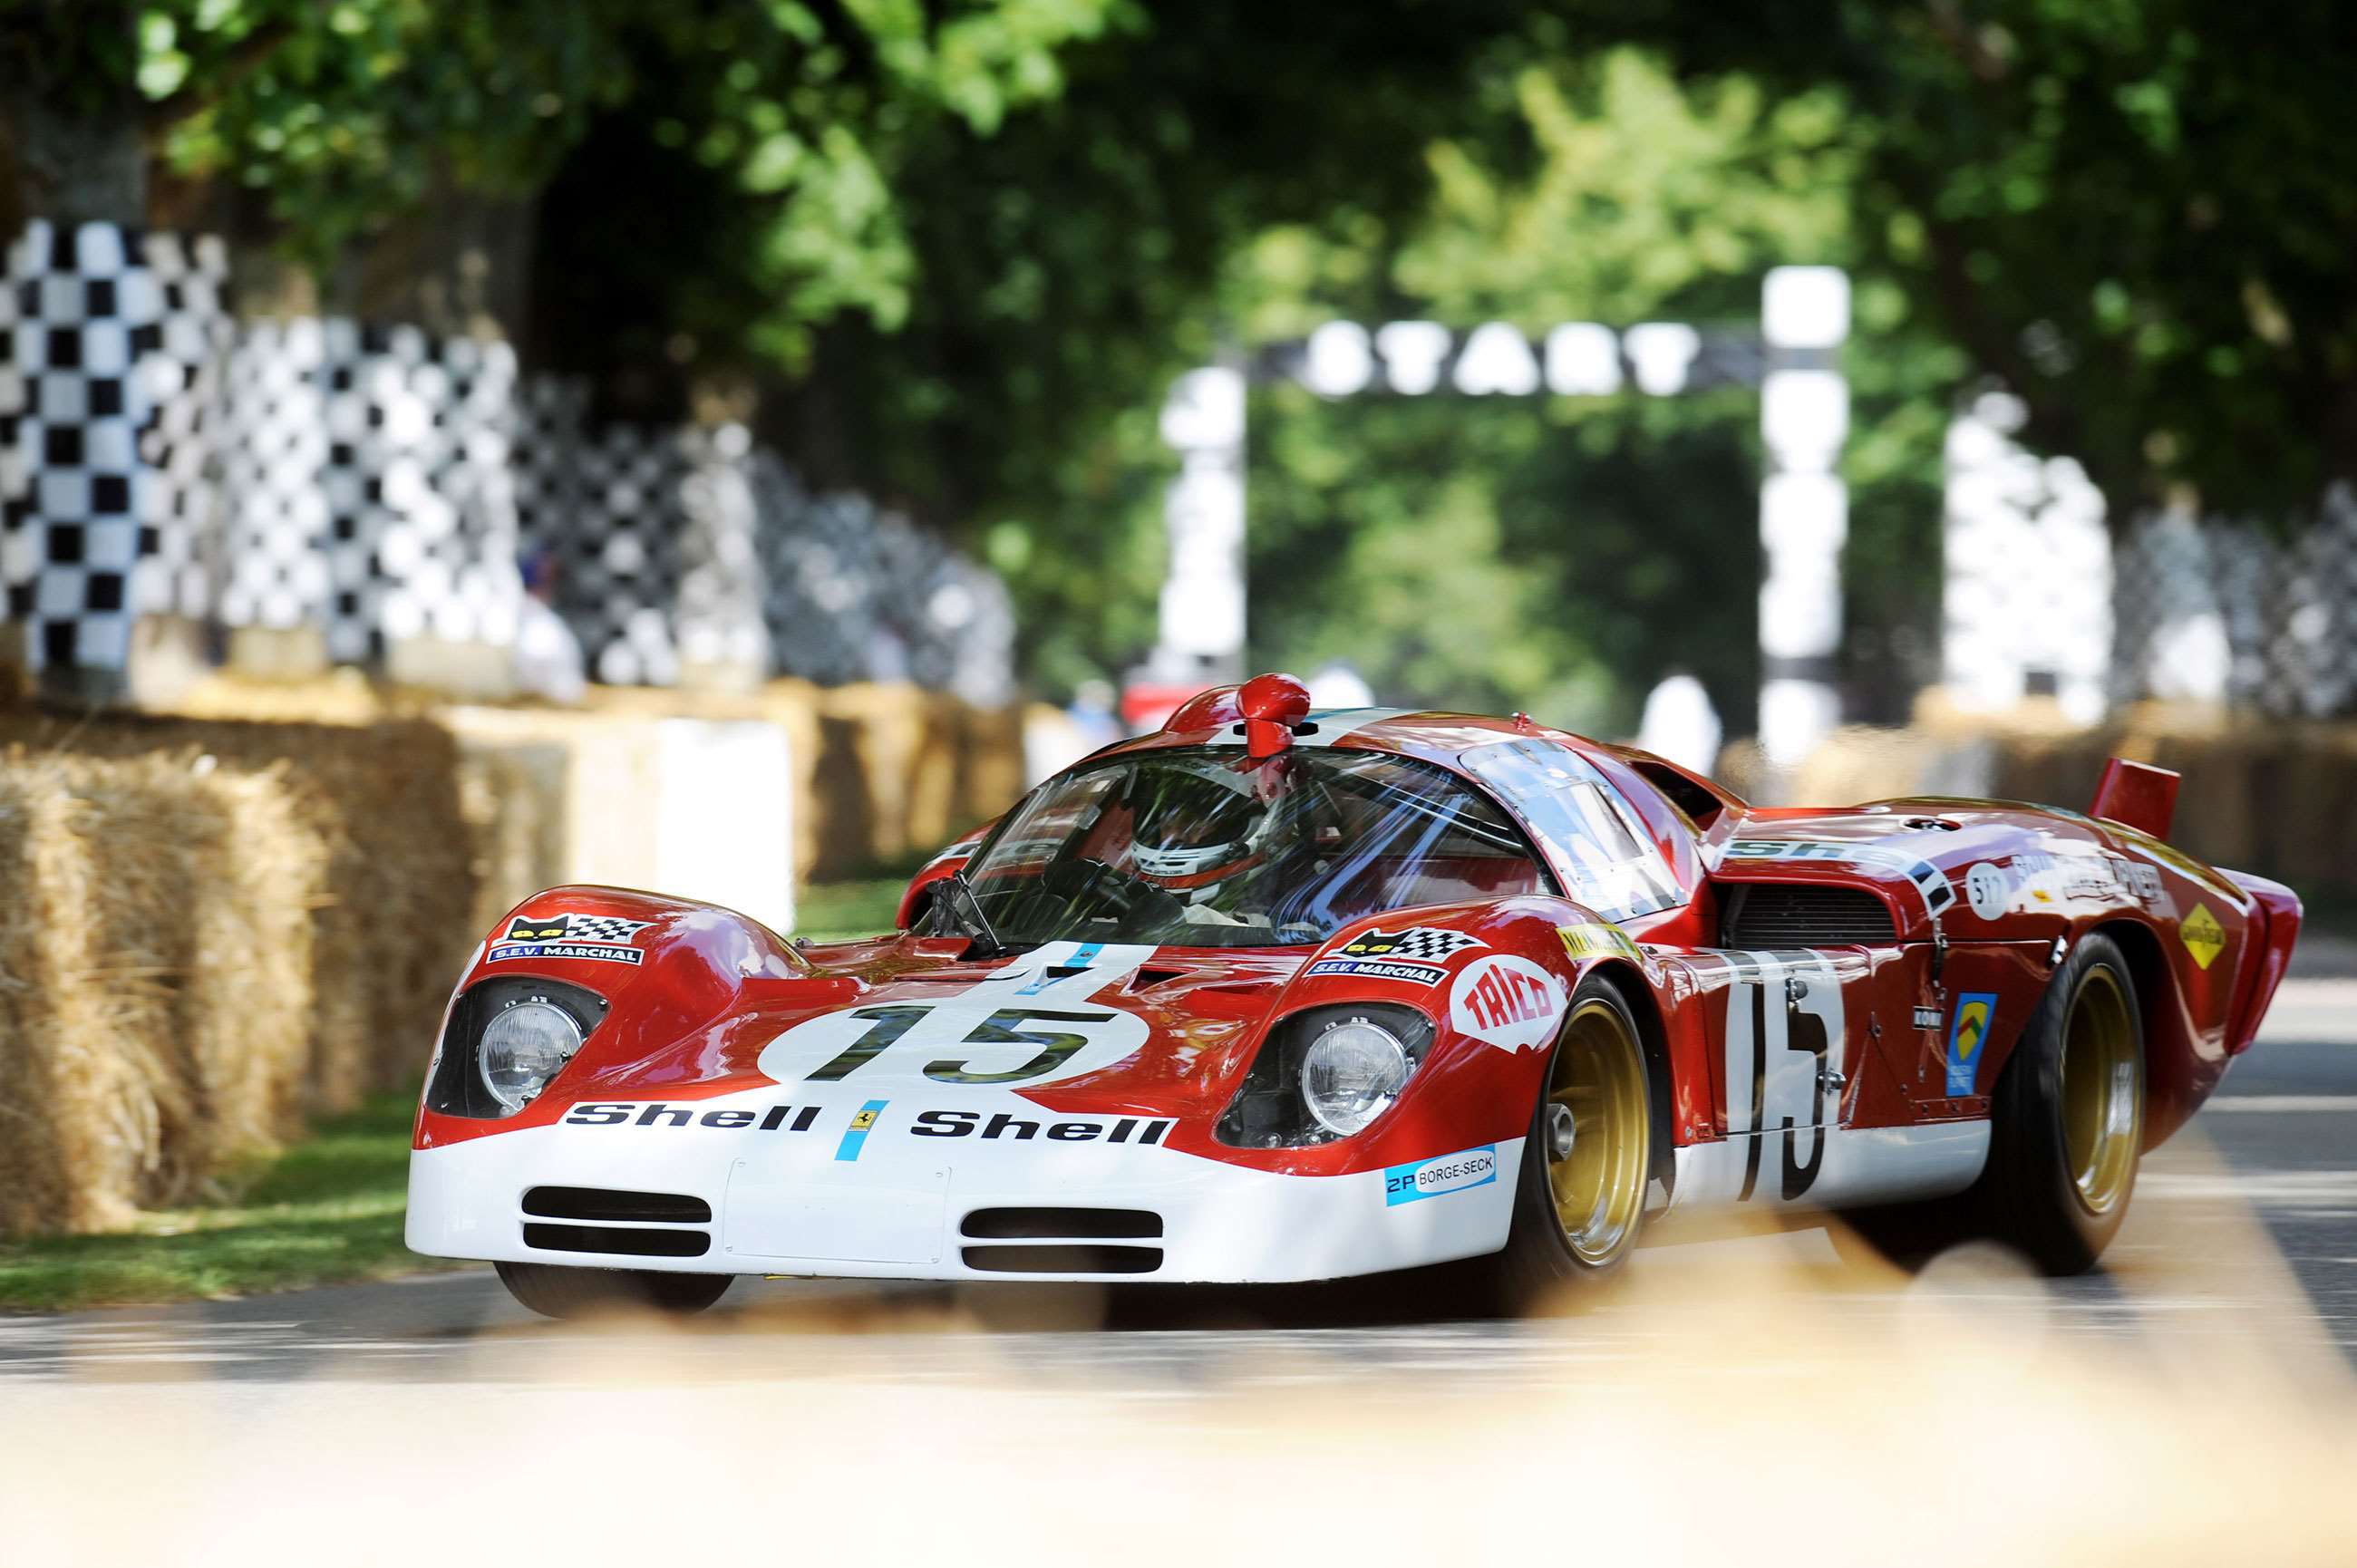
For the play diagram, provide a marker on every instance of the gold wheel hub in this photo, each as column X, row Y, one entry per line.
column 2102, row 1099
column 1595, row 1133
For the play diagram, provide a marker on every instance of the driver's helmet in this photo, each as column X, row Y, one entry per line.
column 1196, row 831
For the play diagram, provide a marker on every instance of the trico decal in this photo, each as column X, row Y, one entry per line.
column 1596, row 941
column 1990, row 890
column 1785, row 1030
column 1509, row 1002
column 2203, row 937
column 1020, row 1129
column 663, row 1113
column 1417, row 944
column 1930, row 881
column 1967, row 1033
column 1440, row 1175
column 570, row 936
column 1381, row 969
column 1032, row 1021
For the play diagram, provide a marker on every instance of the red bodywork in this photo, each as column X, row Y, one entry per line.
column 2208, row 949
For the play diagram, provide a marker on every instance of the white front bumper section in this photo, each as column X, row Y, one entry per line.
column 897, row 1207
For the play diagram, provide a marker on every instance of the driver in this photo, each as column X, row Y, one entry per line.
column 1189, row 841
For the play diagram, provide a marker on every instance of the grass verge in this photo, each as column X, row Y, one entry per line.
column 326, row 1210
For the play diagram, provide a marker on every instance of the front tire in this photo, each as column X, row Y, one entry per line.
column 555, row 1291
column 2068, row 1116
column 1579, row 1199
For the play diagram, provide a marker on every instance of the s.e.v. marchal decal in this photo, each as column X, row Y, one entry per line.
column 1419, row 955
column 568, row 935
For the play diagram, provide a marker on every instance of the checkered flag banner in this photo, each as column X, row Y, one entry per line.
column 274, row 468
column 369, row 487
column 2230, row 613
column 720, row 587
column 2028, row 567
column 106, row 386
column 857, row 593
column 382, row 485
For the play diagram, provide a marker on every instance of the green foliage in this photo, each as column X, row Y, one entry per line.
column 342, row 114
column 1072, row 259
column 963, row 247
column 1563, row 554
column 1066, row 260
column 2137, row 214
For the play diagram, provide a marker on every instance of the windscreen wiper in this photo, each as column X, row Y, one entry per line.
column 980, row 930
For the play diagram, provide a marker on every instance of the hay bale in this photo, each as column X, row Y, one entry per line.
column 71, row 1133
column 202, row 882
column 394, row 918
column 992, row 771
column 157, row 1017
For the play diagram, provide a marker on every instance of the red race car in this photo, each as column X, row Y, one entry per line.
column 1275, row 995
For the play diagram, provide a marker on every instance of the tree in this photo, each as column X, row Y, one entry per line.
column 1564, row 554
column 2137, row 215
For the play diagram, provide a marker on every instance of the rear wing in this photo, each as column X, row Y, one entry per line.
column 2136, row 795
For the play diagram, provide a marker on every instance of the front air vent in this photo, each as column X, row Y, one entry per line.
column 1060, row 1224
column 1791, row 915
column 605, row 1239
column 1063, row 1259
column 613, row 1204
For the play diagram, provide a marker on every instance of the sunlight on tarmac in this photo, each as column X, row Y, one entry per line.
column 1744, row 1399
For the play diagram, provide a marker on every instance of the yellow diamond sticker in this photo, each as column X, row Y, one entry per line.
column 2203, row 937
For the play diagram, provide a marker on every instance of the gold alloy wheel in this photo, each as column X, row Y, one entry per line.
column 1595, row 1130
column 2102, row 1102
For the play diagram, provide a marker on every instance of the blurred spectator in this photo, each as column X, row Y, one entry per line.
column 1093, row 716
column 548, row 661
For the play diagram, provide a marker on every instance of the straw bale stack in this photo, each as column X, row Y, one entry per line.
column 155, row 998
column 207, row 932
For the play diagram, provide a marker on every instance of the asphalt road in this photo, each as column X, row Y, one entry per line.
column 2243, row 1239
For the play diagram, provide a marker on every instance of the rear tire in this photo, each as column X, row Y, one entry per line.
column 2068, row 1116
column 555, row 1291
column 1579, row 1198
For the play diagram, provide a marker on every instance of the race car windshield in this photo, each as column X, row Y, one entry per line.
column 1206, row 847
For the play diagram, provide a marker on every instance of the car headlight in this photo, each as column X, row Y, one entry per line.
column 524, row 1046
column 1351, row 1073
column 1325, row 1073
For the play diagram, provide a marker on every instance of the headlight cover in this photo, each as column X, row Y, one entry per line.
column 526, row 1043
column 1326, row 1073
column 1351, row 1073
column 507, row 1038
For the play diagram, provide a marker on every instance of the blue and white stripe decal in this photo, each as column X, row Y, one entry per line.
column 855, row 1136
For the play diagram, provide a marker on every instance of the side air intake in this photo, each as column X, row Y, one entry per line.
column 1788, row 915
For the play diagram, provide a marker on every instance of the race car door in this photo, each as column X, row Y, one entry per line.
column 1785, row 1051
